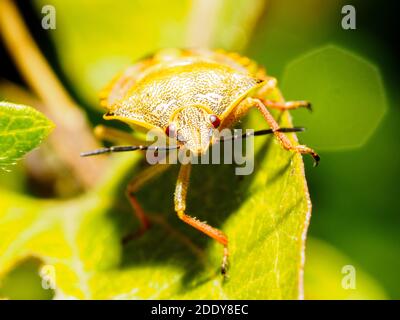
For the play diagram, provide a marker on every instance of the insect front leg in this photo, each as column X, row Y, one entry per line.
column 180, row 206
column 269, row 89
column 282, row 138
column 135, row 184
column 289, row 105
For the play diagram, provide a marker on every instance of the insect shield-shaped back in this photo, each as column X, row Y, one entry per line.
column 163, row 88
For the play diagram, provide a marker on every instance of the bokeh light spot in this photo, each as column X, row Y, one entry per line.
column 347, row 95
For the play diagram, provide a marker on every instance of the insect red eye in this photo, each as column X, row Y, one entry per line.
column 170, row 131
column 215, row 121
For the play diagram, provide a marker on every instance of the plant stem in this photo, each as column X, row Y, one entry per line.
column 73, row 134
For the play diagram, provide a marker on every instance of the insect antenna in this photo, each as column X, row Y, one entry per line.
column 125, row 149
column 113, row 149
column 262, row 133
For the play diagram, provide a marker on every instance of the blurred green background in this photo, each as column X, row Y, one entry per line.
column 350, row 76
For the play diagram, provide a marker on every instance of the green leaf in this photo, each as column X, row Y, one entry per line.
column 24, row 283
column 265, row 216
column 22, row 129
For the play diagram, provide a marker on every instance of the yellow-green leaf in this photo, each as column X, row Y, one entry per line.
column 265, row 216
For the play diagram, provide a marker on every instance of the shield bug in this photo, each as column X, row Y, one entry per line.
column 187, row 94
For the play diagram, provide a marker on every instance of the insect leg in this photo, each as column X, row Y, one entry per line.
column 135, row 184
column 282, row 138
column 270, row 89
column 180, row 207
column 117, row 136
column 289, row 105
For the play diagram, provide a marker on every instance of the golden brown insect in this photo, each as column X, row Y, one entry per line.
column 187, row 94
